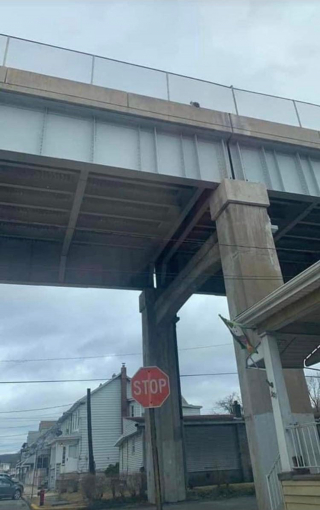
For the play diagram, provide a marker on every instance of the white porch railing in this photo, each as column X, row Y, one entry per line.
column 305, row 441
column 274, row 486
column 306, row 446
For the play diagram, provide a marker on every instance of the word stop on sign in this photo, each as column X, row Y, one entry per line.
column 150, row 387
column 153, row 386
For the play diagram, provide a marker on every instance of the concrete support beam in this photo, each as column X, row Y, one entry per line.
column 251, row 270
column 160, row 349
column 280, row 400
column 204, row 264
column 78, row 196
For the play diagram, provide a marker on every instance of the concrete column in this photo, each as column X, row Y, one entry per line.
column 251, row 271
column 279, row 399
column 160, row 349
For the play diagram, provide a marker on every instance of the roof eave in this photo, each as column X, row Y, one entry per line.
column 303, row 284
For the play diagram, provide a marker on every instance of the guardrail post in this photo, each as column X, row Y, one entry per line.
column 297, row 112
column 234, row 99
column 92, row 68
column 6, row 52
column 168, row 86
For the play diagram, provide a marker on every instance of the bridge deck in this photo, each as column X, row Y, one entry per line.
column 99, row 188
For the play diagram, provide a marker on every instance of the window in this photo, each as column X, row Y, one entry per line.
column 75, row 421
column 133, row 445
column 63, row 455
column 73, row 451
column 5, row 483
column 132, row 410
column 43, row 462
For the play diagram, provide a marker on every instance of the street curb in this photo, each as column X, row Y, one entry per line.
column 33, row 506
column 27, row 502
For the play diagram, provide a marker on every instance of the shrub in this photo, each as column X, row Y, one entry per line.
column 112, row 470
column 137, row 484
column 93, row 487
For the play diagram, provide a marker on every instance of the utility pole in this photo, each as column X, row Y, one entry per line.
column 92, row 468
column 155, row 457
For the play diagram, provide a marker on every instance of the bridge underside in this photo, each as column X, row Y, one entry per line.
column 108, row 189
column 62, row 223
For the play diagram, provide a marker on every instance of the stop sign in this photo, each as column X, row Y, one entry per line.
column 150, row 387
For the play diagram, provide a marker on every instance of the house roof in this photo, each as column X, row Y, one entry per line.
column 46, row 424
column 83, row 400
column 69, row 437
column 196, row 418
column 184, row 403
column 205, row 419
column 291, row 314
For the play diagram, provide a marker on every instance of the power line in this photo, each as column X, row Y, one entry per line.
column 106, row 355
column 29, row 418
column 168, row 273
column 15, row 435
column 49, row 381
column 19, row 427
column 38, row 409
column 45, row 381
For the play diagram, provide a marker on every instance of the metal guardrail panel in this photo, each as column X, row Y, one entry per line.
column 86, row 68
column 131, row 78
column 309, row 115
column 3, row 44
column 260, row 106
column 49, row 60
column 208, row 95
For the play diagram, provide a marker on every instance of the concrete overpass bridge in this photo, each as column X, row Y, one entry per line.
column 110, row 178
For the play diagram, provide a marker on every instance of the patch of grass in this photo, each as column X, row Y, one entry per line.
column 221, row 491
column 117, row 503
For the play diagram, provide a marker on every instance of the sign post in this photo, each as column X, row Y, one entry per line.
column 150, row 387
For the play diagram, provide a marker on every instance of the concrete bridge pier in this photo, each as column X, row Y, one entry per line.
column 160, row 349
column 251, row 271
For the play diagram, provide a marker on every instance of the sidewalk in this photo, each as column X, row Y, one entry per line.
column 240, row 503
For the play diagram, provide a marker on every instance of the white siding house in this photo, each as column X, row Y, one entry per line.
column 69, row 451
column 215, row 446
column 131, row 447
column 111, row 404
column 131, row 443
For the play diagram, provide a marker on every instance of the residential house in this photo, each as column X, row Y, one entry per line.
column 33, row 467
column 5, row 467
column 216, row 448
column 111, row 403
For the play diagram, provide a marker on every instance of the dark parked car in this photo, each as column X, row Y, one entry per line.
column 13, row 480
column 9, row 488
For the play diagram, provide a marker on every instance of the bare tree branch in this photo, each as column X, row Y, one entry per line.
column 314, row 393
column 226, row 404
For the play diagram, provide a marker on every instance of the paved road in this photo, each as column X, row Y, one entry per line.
column 7, row 504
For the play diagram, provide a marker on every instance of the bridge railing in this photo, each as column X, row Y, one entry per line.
column 86, row 68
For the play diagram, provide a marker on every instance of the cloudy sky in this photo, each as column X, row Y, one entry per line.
column 268, row 46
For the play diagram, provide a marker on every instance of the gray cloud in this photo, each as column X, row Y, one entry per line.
column 269, row 46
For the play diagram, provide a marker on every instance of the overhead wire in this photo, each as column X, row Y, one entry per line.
column 107, row 355
column 97, row 379
column 168, row 273
column 37, row 409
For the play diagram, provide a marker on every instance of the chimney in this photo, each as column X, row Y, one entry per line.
column 124, row 402
column 236, row 409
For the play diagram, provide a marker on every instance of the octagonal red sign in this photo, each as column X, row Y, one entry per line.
column 150, row 387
